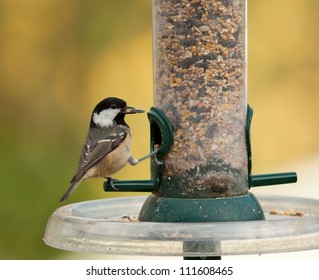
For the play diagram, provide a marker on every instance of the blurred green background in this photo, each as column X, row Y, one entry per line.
column 59, row 58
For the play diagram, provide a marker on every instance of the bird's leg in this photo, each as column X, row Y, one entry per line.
column 133, row 161
column 111, row 183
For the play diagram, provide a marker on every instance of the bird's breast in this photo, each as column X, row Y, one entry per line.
column 115, row 160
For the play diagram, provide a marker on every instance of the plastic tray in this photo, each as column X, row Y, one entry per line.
column 96, row 226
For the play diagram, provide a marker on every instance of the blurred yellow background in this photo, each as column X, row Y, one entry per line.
column 59, row 58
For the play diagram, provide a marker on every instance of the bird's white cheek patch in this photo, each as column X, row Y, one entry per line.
column 105, row 118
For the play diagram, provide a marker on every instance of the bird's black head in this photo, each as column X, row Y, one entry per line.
column 111, row 110
column 109, row 103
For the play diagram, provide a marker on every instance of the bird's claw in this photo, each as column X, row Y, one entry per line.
column 153, row 154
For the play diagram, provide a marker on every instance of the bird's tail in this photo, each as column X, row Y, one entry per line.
column 74, row 183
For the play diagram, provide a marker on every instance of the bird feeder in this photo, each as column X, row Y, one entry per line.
column 200, row 121
column 200, row 85
column 200, row 204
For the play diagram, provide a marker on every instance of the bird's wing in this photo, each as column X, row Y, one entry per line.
column 93, row 151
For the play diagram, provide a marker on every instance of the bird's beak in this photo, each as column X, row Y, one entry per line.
column 131, row 110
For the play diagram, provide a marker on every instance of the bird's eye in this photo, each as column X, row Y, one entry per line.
column 113, row 106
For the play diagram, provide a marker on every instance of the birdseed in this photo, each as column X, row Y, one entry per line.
column 200, row 84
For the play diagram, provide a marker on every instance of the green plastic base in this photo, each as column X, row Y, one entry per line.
column 183, row 210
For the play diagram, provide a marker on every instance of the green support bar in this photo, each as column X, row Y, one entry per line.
column 273, row 179
column 129, row 186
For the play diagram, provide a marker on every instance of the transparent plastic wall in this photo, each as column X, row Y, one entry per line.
column 200, row 84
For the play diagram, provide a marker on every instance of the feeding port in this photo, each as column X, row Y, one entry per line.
column 200, row 204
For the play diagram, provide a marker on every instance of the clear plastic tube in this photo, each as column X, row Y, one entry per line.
column 200, row 84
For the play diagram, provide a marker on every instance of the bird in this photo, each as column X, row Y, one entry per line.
column 108, row 143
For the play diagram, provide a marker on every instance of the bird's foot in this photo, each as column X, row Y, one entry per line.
column 134, row 161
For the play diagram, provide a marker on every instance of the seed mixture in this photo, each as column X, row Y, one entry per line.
column 289, row 212
column 129, row 218
column 199, row 78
